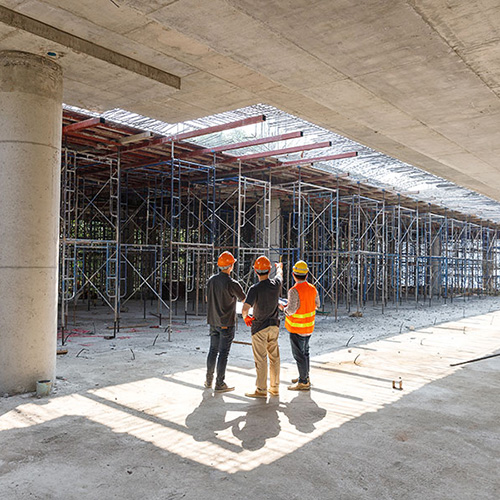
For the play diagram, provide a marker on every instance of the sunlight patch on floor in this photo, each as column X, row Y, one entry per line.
column 231, row 433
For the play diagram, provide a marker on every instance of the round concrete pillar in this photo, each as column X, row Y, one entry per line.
column 30, row 156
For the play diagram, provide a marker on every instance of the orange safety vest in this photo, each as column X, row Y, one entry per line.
column 302, row 322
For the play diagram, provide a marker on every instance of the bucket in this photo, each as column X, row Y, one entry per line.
column 43, row 388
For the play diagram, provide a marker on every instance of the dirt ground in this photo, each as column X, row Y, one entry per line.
column 129, row 417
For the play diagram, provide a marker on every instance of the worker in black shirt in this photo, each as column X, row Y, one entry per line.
column 263, row 297
column 222, row 294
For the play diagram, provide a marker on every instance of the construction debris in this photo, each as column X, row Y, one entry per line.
column 476, row 359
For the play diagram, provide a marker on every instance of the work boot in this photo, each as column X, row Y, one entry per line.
column 295, row 380
column 223, row 388
column 299, row 387
column 208, row 383
column 274, row 391
column 256, row 394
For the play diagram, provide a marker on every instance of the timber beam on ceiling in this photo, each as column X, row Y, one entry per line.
column 197, row 133
column 244, row 144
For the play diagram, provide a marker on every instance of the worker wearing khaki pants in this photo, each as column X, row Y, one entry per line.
column 264, row 323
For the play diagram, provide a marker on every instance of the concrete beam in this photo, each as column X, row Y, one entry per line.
column 25, row 23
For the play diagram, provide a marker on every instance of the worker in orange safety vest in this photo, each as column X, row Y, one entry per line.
column 300, row 311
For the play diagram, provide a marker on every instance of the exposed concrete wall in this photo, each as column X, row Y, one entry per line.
column 30, row 141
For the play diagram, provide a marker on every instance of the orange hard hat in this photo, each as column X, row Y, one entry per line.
column 262, row 265
column 225, row 259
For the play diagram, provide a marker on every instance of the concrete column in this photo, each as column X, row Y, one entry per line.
column 436, row 268
column 30, row 143
column 487, row 265
column 275, row 242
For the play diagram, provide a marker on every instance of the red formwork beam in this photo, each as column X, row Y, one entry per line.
column 246, row 144
column 196, row 133
column 320, row 158
column 286, row 164
column 90, row 123
column 277, row 152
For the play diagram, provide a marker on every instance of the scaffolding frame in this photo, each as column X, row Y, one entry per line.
column 140, row 225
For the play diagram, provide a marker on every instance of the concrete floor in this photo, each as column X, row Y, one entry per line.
column 130, row 422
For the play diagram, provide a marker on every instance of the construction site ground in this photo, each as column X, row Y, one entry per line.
column 129, row 417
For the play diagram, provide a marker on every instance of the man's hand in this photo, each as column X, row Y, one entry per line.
column 279, row 269
column 248, row 320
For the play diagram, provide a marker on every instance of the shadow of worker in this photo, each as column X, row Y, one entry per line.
column 210, row 417
column 260, row 423
column 303, row 412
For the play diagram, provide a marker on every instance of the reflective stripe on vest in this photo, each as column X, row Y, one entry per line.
column 307, row 315
column 298, row 325
column 302, row 322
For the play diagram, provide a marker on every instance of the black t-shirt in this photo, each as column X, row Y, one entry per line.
column 264, row 296
column 222, row 294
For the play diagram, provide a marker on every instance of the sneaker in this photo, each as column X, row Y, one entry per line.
column 256, row 394
column 208, row 384
column 274, row 391
column 299, row 387
column 223, row 388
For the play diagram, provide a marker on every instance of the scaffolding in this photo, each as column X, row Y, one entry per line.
column 150, row 227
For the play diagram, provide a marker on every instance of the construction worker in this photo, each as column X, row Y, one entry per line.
column 222, row 295
column 264, row 323
column 300, row 311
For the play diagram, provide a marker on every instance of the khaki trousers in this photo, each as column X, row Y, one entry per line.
column 264, row 345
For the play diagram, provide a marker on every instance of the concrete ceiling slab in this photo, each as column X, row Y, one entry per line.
column 418, row 80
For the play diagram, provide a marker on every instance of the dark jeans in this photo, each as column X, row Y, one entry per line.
column 220, row 344
column 300, row 351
